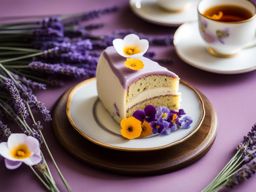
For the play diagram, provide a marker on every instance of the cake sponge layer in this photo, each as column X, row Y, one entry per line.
column 170, row 101
column 151, row 82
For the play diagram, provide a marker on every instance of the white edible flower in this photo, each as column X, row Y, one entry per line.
column 131, row 46
column 19, row 149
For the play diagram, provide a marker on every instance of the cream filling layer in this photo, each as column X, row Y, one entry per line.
column 151, row 93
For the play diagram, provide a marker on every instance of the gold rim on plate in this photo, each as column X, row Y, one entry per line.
column 72, row 122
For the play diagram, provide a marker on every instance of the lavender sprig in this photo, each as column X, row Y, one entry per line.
column 29, row 83
column 241, row 166
column 243, row 174
column 58, row 69
column 19, row 105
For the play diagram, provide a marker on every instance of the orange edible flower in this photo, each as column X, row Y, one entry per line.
column 216, row 16
column 146, row 129
column 174, row 117
column 130, row 128
column 134, row 64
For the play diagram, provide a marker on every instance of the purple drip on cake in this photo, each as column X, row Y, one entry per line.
column 127, row 76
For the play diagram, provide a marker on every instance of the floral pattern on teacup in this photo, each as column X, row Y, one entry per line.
column 219, row 36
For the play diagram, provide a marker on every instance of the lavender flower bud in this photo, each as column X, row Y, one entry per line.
column 19, row 106
column 32, row 84
column 52, row 22
column 47, row 32
column 33, row 102
column 58, row 69
column 37, row 125
column 36, row 135
column 41, row 108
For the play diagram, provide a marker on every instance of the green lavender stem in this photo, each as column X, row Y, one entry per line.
column 17, row 27
column 26, row 56
column 31, row 77
column 39, row 177
column 55, row 164
column 10, row 53
column 16, row 67
column 49, row 152
column 228, row 170
column 34, row 121
column 226, row 175
column 20, row 49
column 221, row 172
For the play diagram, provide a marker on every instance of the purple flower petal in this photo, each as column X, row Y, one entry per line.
column 33, row 144
column 173, row 127
column 181, row 112
column 162, row 113
column 150, row 112
column 12, row 164
column 166, row 129
column 160, row 126
column 185, row 122
column 139, row 114
column 156, row 126
column 33, row 160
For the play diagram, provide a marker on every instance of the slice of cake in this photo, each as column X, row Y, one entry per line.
column 123, row 91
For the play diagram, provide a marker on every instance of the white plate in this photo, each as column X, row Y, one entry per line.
column 150, row 11
column 87, row 115
column 191, row 48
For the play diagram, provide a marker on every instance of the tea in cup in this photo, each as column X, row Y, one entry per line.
column 227, row 26
column 174, row 5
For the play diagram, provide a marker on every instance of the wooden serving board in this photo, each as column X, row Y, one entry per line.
column 135, row 163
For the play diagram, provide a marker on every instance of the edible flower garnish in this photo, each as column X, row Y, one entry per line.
column 160, row 120
column 162, row 113
column 134, row 64
column 131, row 46
column 147, row 114
column 19, row 149
column 130, row 128
column 216, row 16
column 146, row 129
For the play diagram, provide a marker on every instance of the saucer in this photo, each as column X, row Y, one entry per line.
column 191, row 48
column 151, row 12
column 90, row 119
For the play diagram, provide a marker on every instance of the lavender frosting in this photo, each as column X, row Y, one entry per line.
column 127, row 76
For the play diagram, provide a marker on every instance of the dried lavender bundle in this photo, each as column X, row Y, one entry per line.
column 243, row 174
column 240, row 168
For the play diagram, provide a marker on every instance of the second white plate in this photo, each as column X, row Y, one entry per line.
column 191, row 48
column 151, row 12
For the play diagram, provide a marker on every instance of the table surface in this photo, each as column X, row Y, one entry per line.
column 231, row 95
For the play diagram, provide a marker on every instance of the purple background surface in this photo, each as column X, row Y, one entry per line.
column 233, row 97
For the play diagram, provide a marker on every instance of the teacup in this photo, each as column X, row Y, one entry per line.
column 174, row 5
column 226, row 38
